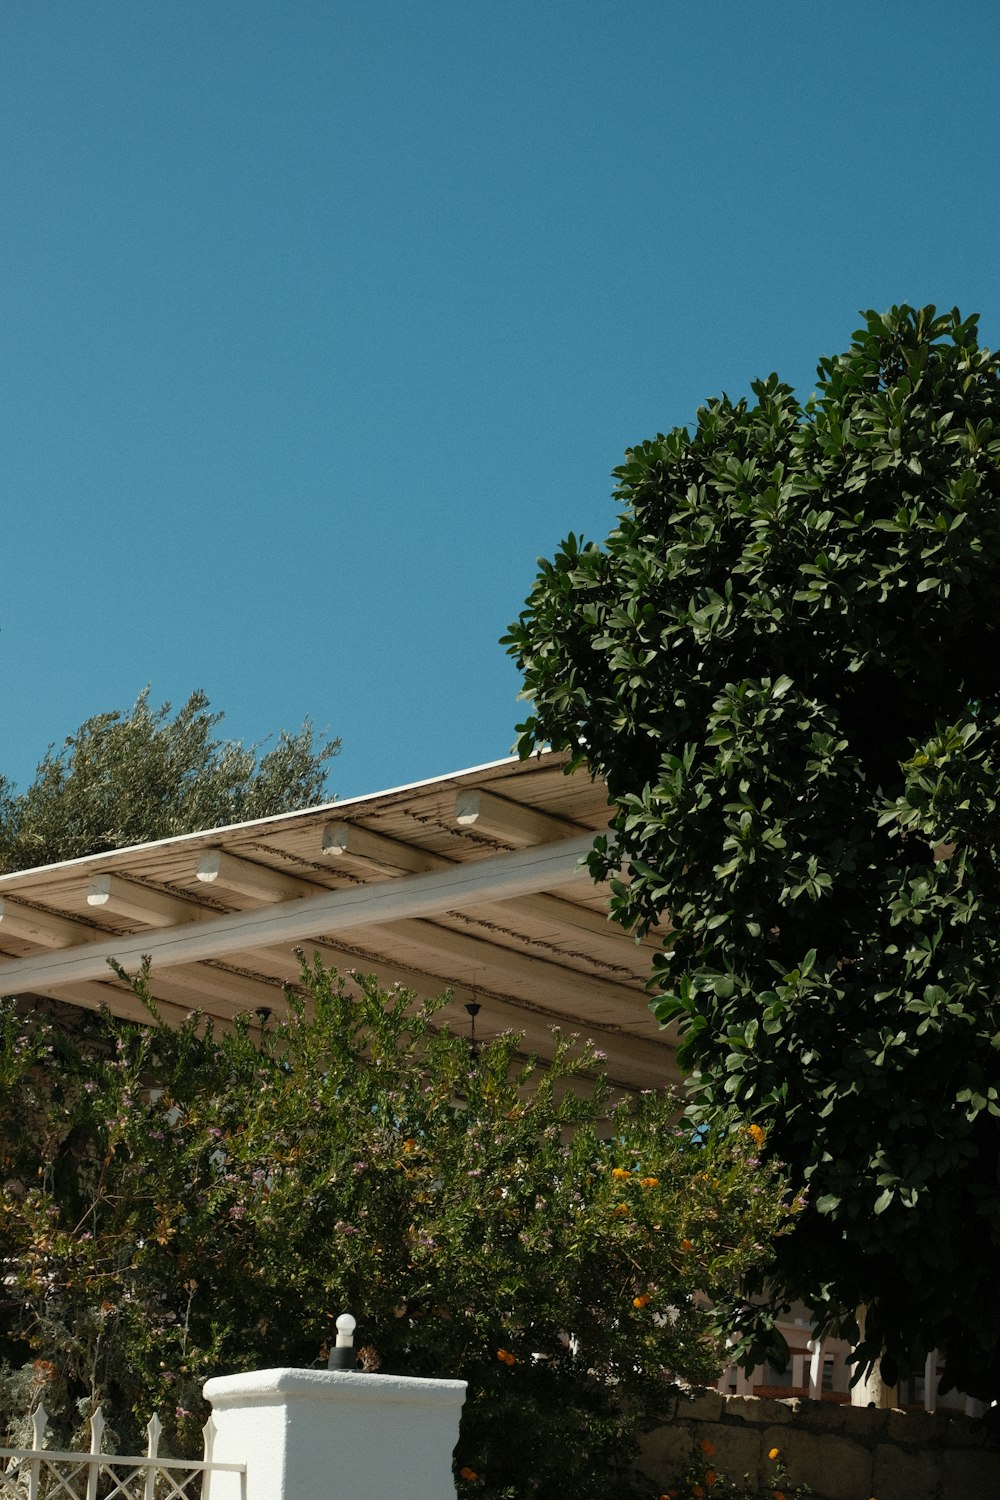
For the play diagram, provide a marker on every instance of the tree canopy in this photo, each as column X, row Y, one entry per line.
column 784, row 660
column 127, row 778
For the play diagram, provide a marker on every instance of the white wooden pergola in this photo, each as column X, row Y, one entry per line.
column 471, row 881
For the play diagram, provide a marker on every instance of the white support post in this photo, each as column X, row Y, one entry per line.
column 96, row 1447
column 39, row 1422
column 815, row 1347
column 154, row 1428
column 339, row 1434
column 930, row 1382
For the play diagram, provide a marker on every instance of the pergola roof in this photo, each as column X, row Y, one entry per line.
column 470, row 881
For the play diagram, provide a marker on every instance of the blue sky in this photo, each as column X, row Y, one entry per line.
column 319, row 322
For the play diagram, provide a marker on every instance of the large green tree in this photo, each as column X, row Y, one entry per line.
column 126, row 778
column 785, row 662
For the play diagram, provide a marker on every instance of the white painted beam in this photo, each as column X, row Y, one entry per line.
column 228, row 874
column 348, row 842
column 595, row 998
column 636, row 1060
column 119, row 1000
column 42, row 928
column 508, row 822
column 468, row 884
column 209, row 984
column 139, row 903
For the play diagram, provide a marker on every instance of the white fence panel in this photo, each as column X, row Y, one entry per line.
column 40, row 1473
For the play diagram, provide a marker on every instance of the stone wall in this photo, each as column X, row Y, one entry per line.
column 843, row 1452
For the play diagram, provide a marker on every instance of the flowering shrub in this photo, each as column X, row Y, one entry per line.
column 181, row 1203
column 702, row 1481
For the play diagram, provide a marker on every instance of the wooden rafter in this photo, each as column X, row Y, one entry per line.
column 139, row 903
column 506, row 821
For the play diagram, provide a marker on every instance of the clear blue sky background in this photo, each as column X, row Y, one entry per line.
column 319, row 322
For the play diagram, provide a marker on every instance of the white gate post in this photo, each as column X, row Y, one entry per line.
column 334, row 1435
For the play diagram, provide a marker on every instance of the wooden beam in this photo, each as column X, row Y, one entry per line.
column 119, row 1000
column 469, row 884
column 139, row 903
column 348, row 842
column 228, row 874
column 594, row 998
column 570, row 917
column 43, row 928
column 634, row 1060
column 509, row 822
column 208, row 983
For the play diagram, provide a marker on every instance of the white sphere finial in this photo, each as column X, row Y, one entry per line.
column 345, row 1330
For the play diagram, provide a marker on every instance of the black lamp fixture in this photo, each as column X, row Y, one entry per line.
column 472, row 1010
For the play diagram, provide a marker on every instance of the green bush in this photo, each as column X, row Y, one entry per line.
column 180, row 1204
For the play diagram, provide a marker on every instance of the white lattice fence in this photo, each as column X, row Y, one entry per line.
column 40, row 1473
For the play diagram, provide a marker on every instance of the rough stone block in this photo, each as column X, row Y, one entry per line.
column 760, row 1409
column 825, row 1416
column 736, row 1450
column 706, row 1406
column 753, row 1409
column 835, row 1467
column 912, row 1429
column 902, row 1474
column 777, row 1411
column 973, row 1474
column 866, row 1423
column 664, row 1452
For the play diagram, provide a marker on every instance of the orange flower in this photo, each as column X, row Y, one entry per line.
column 505, row 1357
column 697, row 1491
column 687, row 1245
column 757, row 1134
column 774, row 1453
column 710, row 1478
column 640, row 1301
column 621, row 1173
column 707, row 1447
column 779, row 1495
column 409, row 1144
column 649, row 1182
column 467, row 1473
column 622, row 1209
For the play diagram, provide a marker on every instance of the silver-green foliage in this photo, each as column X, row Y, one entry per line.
column 127, row 778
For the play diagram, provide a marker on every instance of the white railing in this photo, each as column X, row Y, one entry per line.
column 40, row 1473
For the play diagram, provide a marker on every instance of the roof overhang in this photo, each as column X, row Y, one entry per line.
column 472, row 882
